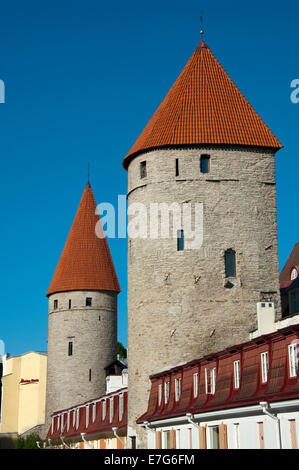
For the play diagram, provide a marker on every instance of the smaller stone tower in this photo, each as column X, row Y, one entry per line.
column 82, row 335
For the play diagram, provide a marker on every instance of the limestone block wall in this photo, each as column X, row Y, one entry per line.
column 180, row 305
column 93, row 333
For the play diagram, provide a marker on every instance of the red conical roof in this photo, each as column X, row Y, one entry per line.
column 204, row 106
column 85, row 262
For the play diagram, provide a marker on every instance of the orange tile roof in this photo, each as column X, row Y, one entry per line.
column 204, row 106
column 85, row 262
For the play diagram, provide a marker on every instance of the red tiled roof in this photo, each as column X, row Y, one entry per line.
column 85, row 262
column 204, row 106
column 251, row 391
column 292, row 261
column 101, row 425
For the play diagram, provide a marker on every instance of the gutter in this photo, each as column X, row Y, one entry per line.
column 83, row 434
column 265, row 409
column 63, row 442
column 117, row 437
column 146, row 425
column 190, row 419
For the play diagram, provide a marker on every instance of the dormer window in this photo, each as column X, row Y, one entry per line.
column 294, row 274
column 178, row 389
column 237, row 374
column 166, row 392
column 210, row 374
column 265, row 366
column 159, row 394
column 195, row 385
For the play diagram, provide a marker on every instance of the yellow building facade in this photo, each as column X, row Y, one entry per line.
column 23, row 393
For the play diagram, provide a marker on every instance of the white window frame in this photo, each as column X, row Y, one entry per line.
column 160, row 390
column 195, row 385
column 121, row 406
column 111, row 409
column 177, row 438
column 77, row 417
column 237, row 369
column 68, row 420
column 94, row 407
column 264, row 366
column 166, row 392
column 293, row 360
column 210, row 376
column 74, row 417
column 178, row 388
column 104, row 409
column 87, row 416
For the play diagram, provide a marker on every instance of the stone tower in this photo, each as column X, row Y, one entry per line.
column 82, row 335
column 205, row 145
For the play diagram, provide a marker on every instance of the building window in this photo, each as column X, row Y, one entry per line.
column 111, row 409
column 89, row 375
column 166, row 392
column 142, row 169
column 178, row 389
column 265, row 366
column 70, row 350
column 294, row 302
column 77, row 418
column 205, row 164
column 180, row 238
column 70, row 303
column 87, row 415
column 176, row 167
column 103, row 409
column 210, row 380
column 230, row 263
column 121, row 406
column 293, row 359
column 195, row 385
column 294, row 274
column 178, row 438
column 88, row 301
column 55, row 304
column 237, row 374
column 237, row 435
column 165, row 439
column 74, row 417
column 214, row 437
column 94, row 408
column 159, row 394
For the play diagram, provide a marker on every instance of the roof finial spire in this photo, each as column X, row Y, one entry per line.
column 88, row 183
column 201, row 25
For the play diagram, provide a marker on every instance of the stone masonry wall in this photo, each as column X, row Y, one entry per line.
column 93, row 332
column 178, row 305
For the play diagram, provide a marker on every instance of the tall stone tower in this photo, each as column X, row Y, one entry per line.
column 82, row 336
column 204, row 145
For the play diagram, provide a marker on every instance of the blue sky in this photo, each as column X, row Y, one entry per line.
column 82, row 80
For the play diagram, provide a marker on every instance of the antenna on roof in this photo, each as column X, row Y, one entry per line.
column 201, row 25
column 88, row 175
